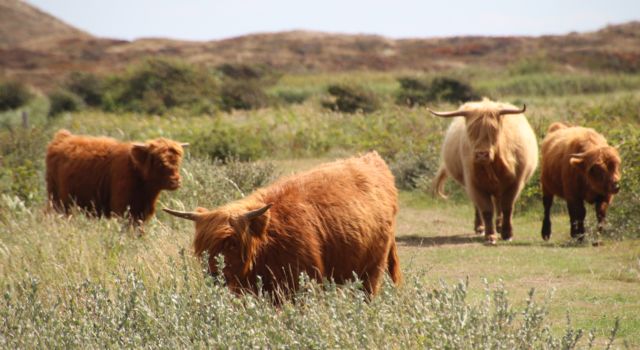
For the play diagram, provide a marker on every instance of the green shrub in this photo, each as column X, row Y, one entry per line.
column 209, row 183
column 351, row 99
column 417, row 92
column 156, row 85
column 22, row 163
column 289, row 97
column 13, row 94
column 239, row 71
column 413, row 92
column 186, row 310
column 225, row 141
column 452, row 90
column 242, row 94
column 87, row 86
column 623, row 217
column 410, row 168
column 63, row 101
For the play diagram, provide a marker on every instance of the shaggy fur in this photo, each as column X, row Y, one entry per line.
column 331, row 222
column 105, row 176
column 578, row 165
column 492, row 156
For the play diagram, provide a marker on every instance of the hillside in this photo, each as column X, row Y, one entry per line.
column 39, row 49
column 22, row 23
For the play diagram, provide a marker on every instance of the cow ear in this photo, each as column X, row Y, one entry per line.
column 139, row 153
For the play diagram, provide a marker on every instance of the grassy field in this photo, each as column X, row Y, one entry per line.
column 78, row 282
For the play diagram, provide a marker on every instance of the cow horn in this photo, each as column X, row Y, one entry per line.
column 184, row 145
column 255, row 213
column 457, row 113
column 139, row 145
column 183, row 214
column 577, row 155
column 513, row 111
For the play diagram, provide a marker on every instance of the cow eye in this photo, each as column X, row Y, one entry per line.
column 595, row 171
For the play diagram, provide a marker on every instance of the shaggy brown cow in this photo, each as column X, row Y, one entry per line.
column 332, row 222
column 492, row 152
column 105, row 176
column 578, row 165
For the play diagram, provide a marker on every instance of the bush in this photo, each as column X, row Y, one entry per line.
column 290, row 97
column 412, row 168
column 87, row 86
column 242, row 94
column 21, row 163
column 623, row 217
column 351, row 99
column 241, row 71
column 211, row 183
column 13, row 95
column 63, row 101
column 413, row 92
column 452, row 90
column 186, row 310
column 225, row 142
column 417, row 92
column 156, row 85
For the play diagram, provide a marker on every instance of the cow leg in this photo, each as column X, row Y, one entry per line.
column 507, row 202
column 485, row 206
column 577, row 212
column 547, row 201
column 478, row 227
column 507, row 228
column 371, row 278
column 601, row 213
column 497, row 204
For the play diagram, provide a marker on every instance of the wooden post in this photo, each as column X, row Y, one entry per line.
column 25, row 119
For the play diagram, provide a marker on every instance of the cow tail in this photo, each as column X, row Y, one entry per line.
column 438, row 182
column 393, row 264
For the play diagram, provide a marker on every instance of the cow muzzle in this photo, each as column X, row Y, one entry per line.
column 483, row 157
column 615, row 187
column 174, row 183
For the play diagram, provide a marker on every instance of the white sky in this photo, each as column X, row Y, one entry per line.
column 217, row 19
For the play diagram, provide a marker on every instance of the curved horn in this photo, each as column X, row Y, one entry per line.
column 577, row 155
column 139, row 145
column 457, row 113
column 255, row 213
column 184, row 145
column 513, row 111
column 183, row 214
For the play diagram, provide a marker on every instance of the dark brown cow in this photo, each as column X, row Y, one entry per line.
column 105, row 176
column 331, row 222
column 578, row 165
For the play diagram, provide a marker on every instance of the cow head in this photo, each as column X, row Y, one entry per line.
column 601, row 168
column 483, row 122
column 159, row 162
column 235, row 233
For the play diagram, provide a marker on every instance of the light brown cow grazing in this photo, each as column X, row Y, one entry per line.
column 492, row 151
column 105, row 176
column 331, row 222
column 578, row 165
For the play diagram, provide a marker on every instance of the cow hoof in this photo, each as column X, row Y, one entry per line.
column 546, row 238
column 508, row 239
column 490, row 240
column 480, row 230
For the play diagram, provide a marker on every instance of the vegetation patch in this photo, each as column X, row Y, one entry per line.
column 351, row 99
